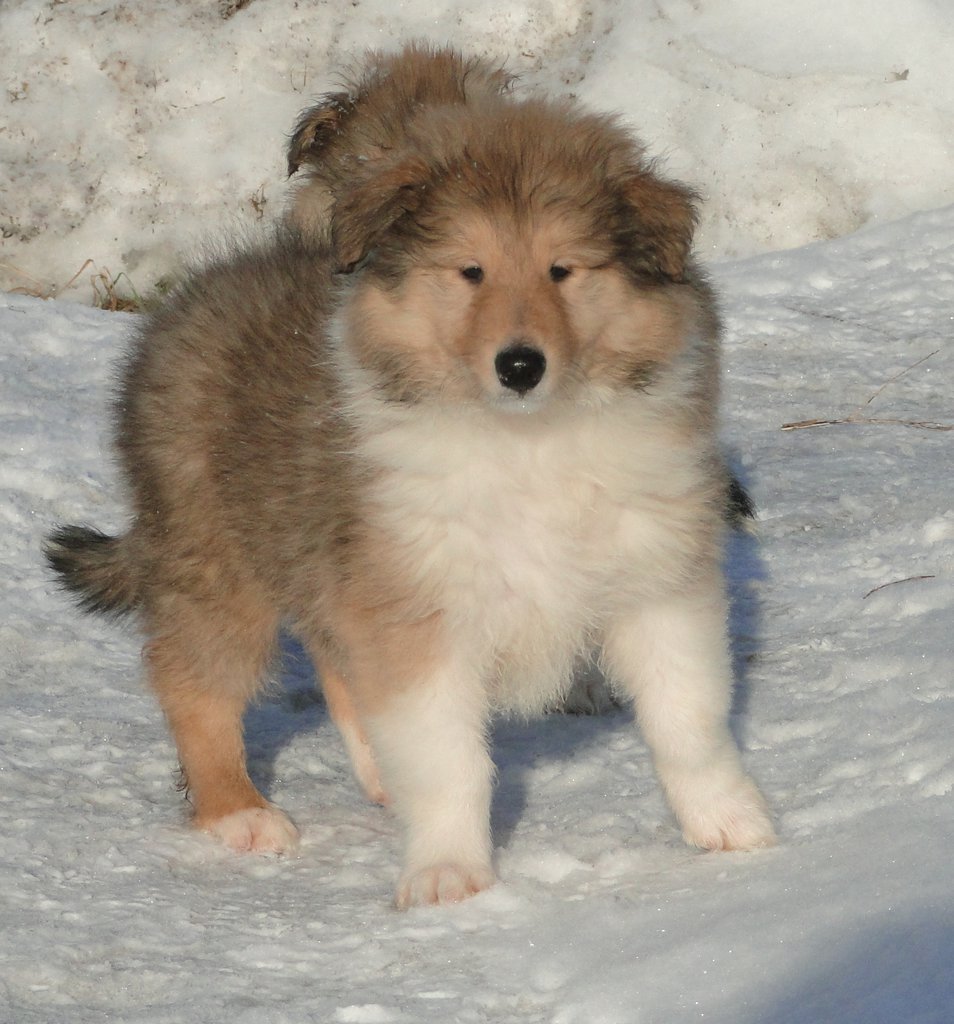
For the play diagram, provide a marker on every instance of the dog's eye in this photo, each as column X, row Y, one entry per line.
column 558, row 273
column 474, row 274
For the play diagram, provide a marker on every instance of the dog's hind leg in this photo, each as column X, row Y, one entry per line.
column 345, row 716
column 206, row 660
column 671, row 656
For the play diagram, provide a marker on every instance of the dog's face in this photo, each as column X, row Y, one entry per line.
column 515, row 259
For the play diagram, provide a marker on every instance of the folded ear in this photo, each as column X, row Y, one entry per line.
column 363, row 214
column 315, row 128
column 661, row 222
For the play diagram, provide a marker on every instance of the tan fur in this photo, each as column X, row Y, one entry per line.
column 366, row 120
column 517, row 300
column 325, row 435
column 341, row 707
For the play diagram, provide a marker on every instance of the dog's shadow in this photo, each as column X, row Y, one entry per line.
column 291, row 705
column 294, row 705
column 745, row 572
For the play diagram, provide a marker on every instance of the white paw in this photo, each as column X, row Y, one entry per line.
column 255, row 829
column 442, row 883
column 733, row 820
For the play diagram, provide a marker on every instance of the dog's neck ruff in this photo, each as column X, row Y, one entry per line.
column 528, row 532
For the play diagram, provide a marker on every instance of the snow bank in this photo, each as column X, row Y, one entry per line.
column 133, row 129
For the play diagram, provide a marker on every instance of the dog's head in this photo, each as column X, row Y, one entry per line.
column 516, row 253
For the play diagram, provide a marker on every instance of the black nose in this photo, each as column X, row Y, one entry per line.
column 520, row 367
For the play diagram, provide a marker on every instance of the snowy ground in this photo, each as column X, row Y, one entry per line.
column 128, row 128
column 113, row 910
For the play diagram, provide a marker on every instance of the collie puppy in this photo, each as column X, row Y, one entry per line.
column 459, row 450
column 366, row 120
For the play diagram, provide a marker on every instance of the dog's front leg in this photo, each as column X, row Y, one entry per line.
column 671, row 655
column 430, row 739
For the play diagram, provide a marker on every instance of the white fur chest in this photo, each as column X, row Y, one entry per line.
column 528, row 534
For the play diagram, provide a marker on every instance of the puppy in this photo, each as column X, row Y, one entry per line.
column 364, row 122
column 458, row 449
column 367, row 120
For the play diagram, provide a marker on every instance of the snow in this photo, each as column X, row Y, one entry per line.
column 111, row 909
column 133, row 129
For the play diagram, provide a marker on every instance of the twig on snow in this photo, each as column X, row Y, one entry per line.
column 858, row 416
column 894, row 583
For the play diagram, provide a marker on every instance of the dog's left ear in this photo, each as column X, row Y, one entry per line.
column 363, row 213
column 663, row 219
column 314, row 129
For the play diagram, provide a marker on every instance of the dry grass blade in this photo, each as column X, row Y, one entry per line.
column 107, row 291
column 107, row 294
column 36, row 289
column 894, row 583
column 858, row 416
column 876, row 420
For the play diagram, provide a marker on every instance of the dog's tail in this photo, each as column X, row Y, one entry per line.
column 739, row 508
column 93, row 567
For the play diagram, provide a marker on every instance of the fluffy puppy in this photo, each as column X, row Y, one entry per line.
column 365, row 121
column 368, row 118
column 458, row 451
column 334, row 142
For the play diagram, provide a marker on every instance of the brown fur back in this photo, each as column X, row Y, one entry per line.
column 223, row 480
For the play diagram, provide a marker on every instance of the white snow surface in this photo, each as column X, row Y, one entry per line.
column 129, row 129
column 112, row 909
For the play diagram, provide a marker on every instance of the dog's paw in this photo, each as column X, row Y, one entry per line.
column 442, row 883
column 735, row 820
column 255, row 830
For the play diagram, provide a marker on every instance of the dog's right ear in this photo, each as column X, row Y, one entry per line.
column 362, row 214
column 661, row 222
column 315, row 129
